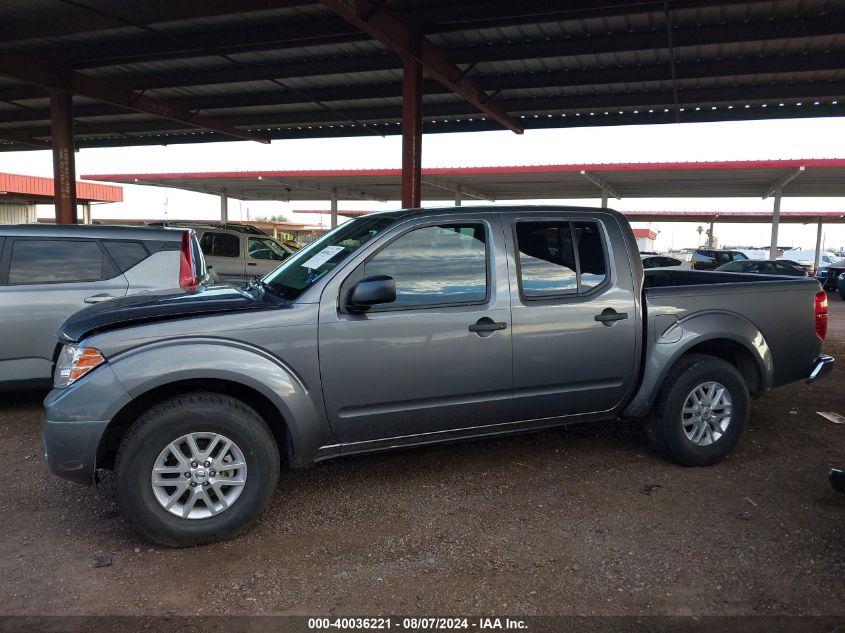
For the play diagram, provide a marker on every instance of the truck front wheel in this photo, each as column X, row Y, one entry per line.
column 700, row 413
column 196, row 468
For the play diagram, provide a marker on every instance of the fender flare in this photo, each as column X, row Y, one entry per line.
column 158, row 364
column 663, row 349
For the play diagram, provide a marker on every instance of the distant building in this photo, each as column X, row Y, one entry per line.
column 19, row 195
column 645, row 239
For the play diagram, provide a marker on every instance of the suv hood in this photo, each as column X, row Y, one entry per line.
column 158, row 306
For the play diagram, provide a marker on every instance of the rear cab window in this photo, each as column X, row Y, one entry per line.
column 559, row 258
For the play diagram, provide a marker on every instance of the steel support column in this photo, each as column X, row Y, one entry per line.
column 818, row 245
column 334, row 207
column 773, row 250
column 458, row 196
column 64, row 166
column 604, row 198
column 224, row 206
column 86, row 213
column 411, row 133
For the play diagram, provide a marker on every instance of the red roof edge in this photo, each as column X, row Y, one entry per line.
column 506, row 169
column 40, row 187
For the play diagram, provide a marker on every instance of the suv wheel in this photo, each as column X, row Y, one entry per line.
column 196, row 468
column 700, row 413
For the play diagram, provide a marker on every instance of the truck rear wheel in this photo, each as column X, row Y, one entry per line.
column 700, row 413
column 196, row 468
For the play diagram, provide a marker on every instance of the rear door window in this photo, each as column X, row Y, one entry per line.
column 57, row 261
column 126, row 254
column 559, row 258
column 220, row 245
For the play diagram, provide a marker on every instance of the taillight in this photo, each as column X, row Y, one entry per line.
column 821, row 314
column 187, row 276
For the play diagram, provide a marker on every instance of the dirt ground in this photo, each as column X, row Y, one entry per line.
column 583, row 520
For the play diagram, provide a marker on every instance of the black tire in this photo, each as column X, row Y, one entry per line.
column 172, row 419
column 664, row 427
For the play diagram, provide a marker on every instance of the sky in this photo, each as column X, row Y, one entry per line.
column 822, row 137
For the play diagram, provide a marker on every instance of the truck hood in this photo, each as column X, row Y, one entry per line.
column 159, row 306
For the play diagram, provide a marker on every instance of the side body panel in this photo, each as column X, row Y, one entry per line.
column 565, row 362
column 32, row 314
column 159, row 271
column 245, row 348
column 772, row 320
column 403, row 372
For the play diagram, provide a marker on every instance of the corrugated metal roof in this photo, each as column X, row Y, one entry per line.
column 38, row 189
column 294, row 69
column 818, row 177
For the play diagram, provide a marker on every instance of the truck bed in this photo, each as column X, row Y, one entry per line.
column 781, row 308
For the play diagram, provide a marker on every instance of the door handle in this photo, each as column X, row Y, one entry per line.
column 486, row 324
column 251, row 264
column 609, row 316
column 99, row 298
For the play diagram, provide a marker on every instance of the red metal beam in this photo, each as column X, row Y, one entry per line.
column 64, row 162
column 108, row 91
column 391, row 31
column 411, row 133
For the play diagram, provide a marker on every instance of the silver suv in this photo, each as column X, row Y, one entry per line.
column 48, row 272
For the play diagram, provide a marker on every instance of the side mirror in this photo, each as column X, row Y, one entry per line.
column 371, row 291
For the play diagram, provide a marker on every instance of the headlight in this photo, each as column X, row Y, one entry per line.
column 73, row 363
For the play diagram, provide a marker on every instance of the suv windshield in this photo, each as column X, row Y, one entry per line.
column 303, row 270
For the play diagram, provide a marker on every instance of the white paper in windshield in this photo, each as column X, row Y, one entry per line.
column 323, row 256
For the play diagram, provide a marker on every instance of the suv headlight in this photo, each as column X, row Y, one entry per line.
column 73, row 363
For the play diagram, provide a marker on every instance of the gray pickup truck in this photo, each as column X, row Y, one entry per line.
column 407, row 328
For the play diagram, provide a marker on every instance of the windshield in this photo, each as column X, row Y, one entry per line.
column 302, row 271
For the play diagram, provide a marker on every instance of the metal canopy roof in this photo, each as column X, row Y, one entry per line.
column 38, row 190
column 294, row 68
column 722, row 217
column 810, row 178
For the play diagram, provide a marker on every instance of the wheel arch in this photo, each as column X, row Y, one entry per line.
column 153, row 373
column 126, row 417
column 724, row 335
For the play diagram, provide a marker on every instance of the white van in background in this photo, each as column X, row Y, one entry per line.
column 808, row 258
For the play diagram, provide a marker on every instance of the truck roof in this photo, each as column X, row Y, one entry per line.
column 498, row 208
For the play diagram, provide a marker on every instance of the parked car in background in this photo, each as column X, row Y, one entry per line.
column 664, row 261
column 764, row 267
column 413, row 327
column 48, row 272
column 235, row 256
column 828, row 276
column 711, row 258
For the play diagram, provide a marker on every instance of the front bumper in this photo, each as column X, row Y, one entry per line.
column 74, row 421
column 70, row 448
column 821, row 368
